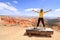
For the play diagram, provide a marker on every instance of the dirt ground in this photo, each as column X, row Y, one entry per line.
column 17, row 33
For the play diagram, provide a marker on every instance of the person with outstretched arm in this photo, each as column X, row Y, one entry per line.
column 41, row 13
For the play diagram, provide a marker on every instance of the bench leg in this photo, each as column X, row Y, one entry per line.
column 49, row 35
column 29, row 34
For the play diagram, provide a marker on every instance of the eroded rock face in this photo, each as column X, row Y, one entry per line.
column 25, row 22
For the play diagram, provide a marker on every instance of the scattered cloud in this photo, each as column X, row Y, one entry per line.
column 5, row 6
column 15, row 1
column 30, row 9
column 57, row 10
column 8, row 9
column 55, row 13
column 8, row 3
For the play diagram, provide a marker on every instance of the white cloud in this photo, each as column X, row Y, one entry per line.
column 30, row 9
column 8, row 9
column 8, row 3
column 15, row 1
column 58, row 14
column 54, row 13
column 5, row 6
column 57, row 10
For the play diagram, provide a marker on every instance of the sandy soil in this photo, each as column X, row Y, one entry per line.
column 17, row 33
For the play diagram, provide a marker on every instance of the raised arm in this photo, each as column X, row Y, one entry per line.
column 35, row 11
column 48, row 11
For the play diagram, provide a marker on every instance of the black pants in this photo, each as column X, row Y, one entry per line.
column 42, row 20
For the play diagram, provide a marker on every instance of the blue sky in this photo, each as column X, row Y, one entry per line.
column 24, row 7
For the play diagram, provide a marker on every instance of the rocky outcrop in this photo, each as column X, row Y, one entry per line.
column 24, row 22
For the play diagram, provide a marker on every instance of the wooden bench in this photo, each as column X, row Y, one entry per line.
column 39, row 31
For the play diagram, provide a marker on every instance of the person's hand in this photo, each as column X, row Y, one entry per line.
column 48, row 11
